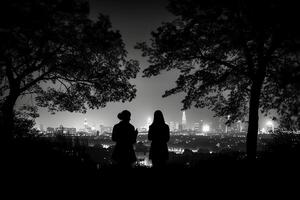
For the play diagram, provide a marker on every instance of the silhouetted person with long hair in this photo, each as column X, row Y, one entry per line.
column 159, row 134
column 124, row 135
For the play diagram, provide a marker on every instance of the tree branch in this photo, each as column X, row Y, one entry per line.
column 35, row 81
column 31, row 69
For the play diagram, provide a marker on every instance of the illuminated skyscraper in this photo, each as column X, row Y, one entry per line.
column 183, row 120
column 85, row 124
column 176, row 126
column 196, row 126
column 87, row 128
column 172, row 126
column 42, row 128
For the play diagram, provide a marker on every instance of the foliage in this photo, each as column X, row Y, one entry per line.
column 24, row 122
column 225, row 49
column 53, row 50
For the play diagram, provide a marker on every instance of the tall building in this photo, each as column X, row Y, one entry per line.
column 101, row 129
column 176, row 126
column 50, row 130
column 42, row 128
column 196, row 126
column 183, row 121
column 85, row 124
column 87, row 128
column 172, row 126
column 201, row 125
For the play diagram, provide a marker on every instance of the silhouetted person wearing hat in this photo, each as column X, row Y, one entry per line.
column 124, row 135
column 159, row 134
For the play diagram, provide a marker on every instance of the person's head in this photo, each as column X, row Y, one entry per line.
column 124, row 115
column 158, row 117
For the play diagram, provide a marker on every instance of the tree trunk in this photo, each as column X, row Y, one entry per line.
column 253, row 118
column 8, row 117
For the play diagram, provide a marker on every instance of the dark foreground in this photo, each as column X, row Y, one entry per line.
column 35, row 167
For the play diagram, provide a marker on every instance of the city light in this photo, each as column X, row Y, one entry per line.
column 148, row 123
column 240, row 127
column 205, row 128
column 270, row 123
column 263, row 130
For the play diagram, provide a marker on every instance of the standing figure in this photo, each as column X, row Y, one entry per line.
column 124, row 135
column 159, row 134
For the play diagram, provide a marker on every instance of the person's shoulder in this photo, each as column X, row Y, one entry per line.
column 117, row 125
column 131, row 126
column 151, row 126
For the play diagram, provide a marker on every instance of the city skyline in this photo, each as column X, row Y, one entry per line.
column 216, row 126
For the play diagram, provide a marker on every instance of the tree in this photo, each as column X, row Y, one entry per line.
column 24, row 121
column 53, row 50
column 231, row 56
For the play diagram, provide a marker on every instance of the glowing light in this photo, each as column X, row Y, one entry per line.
column 105, row 146
column 270, row 123
column 149, row 120
column 205, row 128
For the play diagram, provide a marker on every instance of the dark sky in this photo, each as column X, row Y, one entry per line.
column 135, row 19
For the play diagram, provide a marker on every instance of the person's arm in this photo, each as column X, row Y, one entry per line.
column 135, row 133
column 167, row 133
column 150, row 133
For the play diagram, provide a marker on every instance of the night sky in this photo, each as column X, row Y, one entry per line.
column 135, row 19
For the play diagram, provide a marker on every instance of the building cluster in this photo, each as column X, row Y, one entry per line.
column 60, row 130
column 197, row 128
column 87, row 130
column 203, row 127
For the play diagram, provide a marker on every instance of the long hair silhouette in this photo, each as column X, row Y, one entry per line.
column 159, row 135
column 158, row 118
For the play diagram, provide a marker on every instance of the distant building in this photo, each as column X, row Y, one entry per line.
column 172, row 126
column 220, row 127
column 196, row 126
column 180, row 128
column 176, row 126
column 50, row 130
column 59, row 130
column 101, row 128
column 42, row 128
column 107, row 130
column 70, row 131
column 183, row 121
column 65, row 131
column 88, row 130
